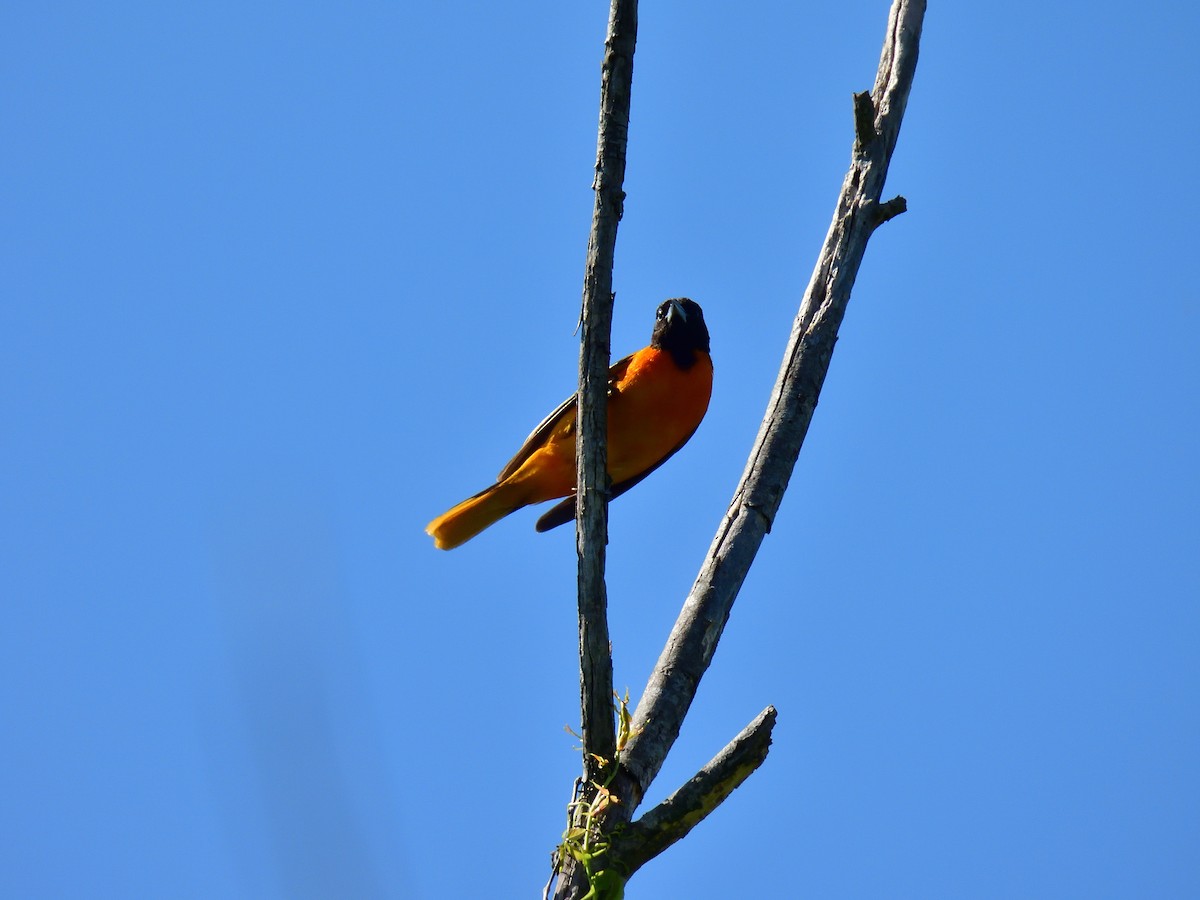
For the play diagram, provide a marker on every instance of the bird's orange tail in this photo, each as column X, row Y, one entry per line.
column 472, row 516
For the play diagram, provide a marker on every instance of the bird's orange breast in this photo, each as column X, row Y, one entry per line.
column 653, row 407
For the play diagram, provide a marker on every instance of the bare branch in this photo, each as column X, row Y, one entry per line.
column 662, row 826
column 592, row 485
column 595, row 659
column 693, row 640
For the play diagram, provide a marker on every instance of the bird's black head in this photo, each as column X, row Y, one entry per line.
column 680, row 330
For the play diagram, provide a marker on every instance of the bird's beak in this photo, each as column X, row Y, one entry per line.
column 677, row 307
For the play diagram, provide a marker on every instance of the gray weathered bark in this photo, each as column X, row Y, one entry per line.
column 858, row 213
column 672, row 819
column 599, row 736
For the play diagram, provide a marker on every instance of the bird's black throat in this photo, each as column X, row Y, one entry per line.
column 680, row 330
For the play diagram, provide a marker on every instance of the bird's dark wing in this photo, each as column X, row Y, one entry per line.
column 538, row 436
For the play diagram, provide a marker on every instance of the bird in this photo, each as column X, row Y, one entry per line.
column 657, row 398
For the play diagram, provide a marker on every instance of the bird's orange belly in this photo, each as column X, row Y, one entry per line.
column 655, row 407
column 652, row 410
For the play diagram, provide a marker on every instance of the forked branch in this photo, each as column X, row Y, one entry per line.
column 690, row 647
column 662, row 826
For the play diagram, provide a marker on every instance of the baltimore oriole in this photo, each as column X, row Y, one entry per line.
column 656, row 399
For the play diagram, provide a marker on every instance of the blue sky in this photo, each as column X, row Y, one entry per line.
column 284, row 282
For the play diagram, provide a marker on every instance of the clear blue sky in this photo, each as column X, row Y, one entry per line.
column 282, row 282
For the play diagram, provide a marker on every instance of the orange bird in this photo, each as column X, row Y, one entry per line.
column 656, row 399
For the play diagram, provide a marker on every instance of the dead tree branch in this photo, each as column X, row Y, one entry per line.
column 591, row 463
column 595, row 660
column 672, row 819
column 690, row 647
